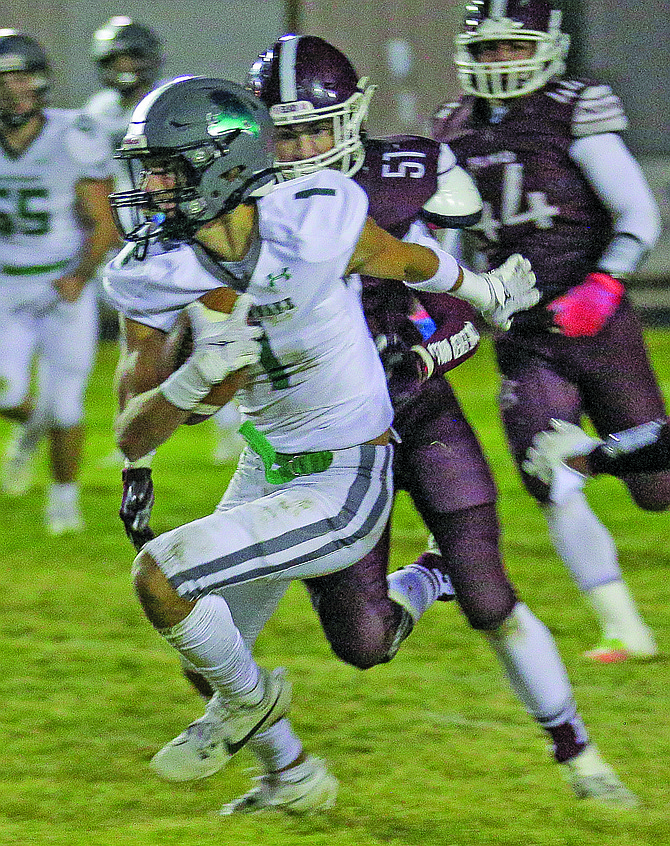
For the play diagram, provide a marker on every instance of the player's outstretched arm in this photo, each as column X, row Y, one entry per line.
column 498, row 295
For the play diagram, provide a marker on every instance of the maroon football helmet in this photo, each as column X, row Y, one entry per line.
column 534, row 21
column 304, row 79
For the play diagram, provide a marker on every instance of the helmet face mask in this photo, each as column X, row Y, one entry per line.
column 211, row 139
column 302, row 80
column 128, row 55
column 517, row 21
column 24, row 75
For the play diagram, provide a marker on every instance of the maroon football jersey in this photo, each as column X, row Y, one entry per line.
column 399, row 175
column 537, row 202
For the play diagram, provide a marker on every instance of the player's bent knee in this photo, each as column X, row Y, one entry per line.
column 363, row 658
column 651, row 493
column 490, row 614
column 160, row 601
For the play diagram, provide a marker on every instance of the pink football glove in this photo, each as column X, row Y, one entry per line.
column 585, row 309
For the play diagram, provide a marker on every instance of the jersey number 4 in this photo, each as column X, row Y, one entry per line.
column 538, row 211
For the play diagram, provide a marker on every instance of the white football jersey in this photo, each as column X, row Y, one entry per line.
column 110, row 115
column 319, row 384
column 41, row 232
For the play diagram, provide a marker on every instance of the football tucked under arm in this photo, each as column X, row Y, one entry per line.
column 198, row 329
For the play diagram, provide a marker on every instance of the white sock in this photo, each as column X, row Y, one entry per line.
column 63, row 493
column 276, row 747
column 533, row 667
column 619, row 617
column 415, row 588
column 588, row 551
column 33, row 430
column 582, row 542
column 210, row 641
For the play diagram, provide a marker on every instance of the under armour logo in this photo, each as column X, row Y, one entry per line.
column 273, row 278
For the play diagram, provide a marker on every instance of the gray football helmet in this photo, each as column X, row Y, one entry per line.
column 123, row 36
column 214, row 136
column 21, row 53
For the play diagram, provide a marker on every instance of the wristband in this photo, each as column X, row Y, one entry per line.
column 145, row 461
column 444, row 279
column 475, row 290
column 426, row 358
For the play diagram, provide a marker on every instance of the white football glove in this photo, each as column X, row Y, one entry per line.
column 222, row 344
column 512, row 289
column 546, row 458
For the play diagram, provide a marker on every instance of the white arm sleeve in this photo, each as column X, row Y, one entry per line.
column 619, row 183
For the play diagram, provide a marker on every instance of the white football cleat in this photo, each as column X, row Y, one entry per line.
column 305, row 789
column 241, row 724
column 198, row 752
column 18, row 471
column 591, row 778
column 207, row 745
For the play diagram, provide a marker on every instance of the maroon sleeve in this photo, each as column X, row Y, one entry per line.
column 456, row 337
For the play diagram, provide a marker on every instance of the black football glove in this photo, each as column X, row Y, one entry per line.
column 405, row 369
column 136, row 504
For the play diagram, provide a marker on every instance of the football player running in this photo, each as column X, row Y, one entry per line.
column 56, row 227
column 318, row 105
column 313, row 491
column 560, row 186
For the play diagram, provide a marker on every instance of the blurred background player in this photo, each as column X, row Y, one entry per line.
column 319, row 106
column 56, row 228
column 129, row 57
column 560, row 186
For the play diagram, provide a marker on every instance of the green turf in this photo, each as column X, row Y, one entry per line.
column 431, row 749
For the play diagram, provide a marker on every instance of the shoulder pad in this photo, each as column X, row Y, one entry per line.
column 86, row 143
column 317, row 216
column 597, row 110
column 446, row 110
column 456, row 203
column 450, row 120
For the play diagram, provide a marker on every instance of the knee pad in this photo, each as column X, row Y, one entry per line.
column 14, row 388
column 63, row 399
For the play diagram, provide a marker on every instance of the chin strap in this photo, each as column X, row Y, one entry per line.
column 9, row 120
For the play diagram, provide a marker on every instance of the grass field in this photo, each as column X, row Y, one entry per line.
column 431, row 749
